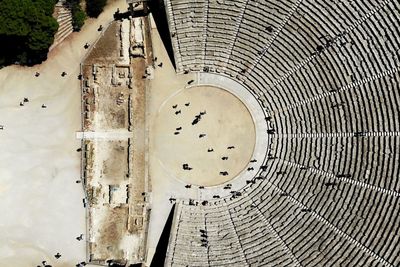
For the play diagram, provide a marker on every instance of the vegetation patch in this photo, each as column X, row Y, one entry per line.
column 78, row 15
column 27, row 31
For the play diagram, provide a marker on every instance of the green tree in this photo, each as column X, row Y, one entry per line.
column 27, row 30
column 78, row 19
column 95, row 7
column 78, row 15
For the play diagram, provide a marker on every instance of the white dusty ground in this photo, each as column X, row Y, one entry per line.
column 42, row 210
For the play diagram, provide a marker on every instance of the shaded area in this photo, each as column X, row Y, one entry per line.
column 130, row 14
column 111, row 263
column 157, row 8
column 162, row 246
column 95, row 7
column 121, row 16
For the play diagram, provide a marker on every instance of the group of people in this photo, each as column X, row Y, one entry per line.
column 177, row 112
column 26, row 100
column 57, row 256
column 204, row 236
column 196, row 120
column 37, row 74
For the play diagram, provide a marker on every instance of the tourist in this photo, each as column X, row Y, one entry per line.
column 79, row 238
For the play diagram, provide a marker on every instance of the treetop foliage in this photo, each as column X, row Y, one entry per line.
column 27, row 30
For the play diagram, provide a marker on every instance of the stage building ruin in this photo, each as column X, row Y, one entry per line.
column 113, row 142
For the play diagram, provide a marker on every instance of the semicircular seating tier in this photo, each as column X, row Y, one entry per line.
column 327, row 75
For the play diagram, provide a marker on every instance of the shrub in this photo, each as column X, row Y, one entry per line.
column 78, row 17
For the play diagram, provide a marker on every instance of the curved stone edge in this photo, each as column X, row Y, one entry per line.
column 262, row 140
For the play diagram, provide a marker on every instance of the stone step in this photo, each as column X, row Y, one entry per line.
column 65, row 31
column 64, row 18
column 64, row 15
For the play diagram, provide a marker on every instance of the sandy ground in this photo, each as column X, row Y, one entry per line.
column 224, row 125
column 42, row 211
